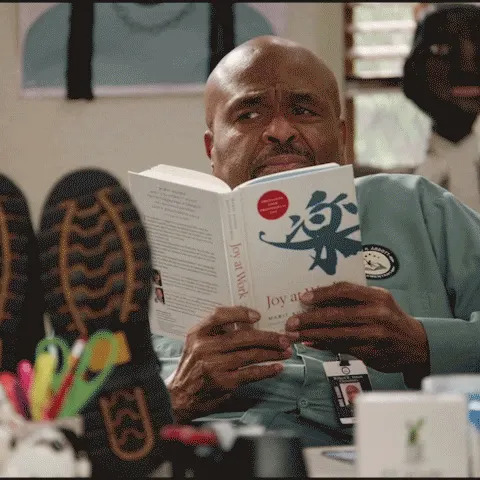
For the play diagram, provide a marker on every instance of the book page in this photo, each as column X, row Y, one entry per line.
column 289, row 173
column 302, row 232
column 187, row 177
column 185, row 236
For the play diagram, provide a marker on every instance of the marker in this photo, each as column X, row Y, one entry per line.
column 58, row 399
column 42, row 379
column 22, row 401
column 25, row 376
column 8, row 380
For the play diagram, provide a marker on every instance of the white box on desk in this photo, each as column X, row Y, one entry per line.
column 411, row 434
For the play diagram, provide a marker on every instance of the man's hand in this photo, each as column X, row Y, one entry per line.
column 217, row 358
column 365, row 322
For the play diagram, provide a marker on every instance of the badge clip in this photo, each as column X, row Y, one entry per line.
column 344, row 361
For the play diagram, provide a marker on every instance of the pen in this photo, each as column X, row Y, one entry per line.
column 42, row 379
column 59, row 398
column 25, row 376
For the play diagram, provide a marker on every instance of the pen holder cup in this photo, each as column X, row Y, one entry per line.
column 275, row 454
column 47, row 448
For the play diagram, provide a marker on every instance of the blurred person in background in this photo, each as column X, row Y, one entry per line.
column 442, row 77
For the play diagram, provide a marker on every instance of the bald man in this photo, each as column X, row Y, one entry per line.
column 272, row 105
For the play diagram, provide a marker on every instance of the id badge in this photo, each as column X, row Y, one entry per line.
column 347, row 379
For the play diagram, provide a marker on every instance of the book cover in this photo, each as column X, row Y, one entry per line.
column 185, row 233
column 302, row 231
column 260, row 245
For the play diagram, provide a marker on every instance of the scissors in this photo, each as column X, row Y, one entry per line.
column 82, row 390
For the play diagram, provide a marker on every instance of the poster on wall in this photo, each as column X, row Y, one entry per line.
column 137, row 48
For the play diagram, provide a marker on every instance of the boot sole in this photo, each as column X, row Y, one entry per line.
column 15, row 234
column 96, row 274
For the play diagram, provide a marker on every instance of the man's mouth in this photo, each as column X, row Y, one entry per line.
column 467, row 91
column 281, row 163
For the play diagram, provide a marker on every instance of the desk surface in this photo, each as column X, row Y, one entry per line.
column 319, row 465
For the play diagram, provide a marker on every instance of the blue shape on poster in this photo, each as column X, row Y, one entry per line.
column 130, row 45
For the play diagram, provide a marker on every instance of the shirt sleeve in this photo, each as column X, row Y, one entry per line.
column 454, row 231
column 169, row 352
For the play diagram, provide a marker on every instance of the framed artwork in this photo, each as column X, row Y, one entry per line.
column 138, row 48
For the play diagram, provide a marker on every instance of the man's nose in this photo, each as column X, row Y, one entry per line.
column 279, row 130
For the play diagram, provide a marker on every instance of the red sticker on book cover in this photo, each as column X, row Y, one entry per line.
column 272, row 204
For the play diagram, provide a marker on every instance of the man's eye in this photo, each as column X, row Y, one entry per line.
column 440, row 49
column 302, row 111
column 248, row 116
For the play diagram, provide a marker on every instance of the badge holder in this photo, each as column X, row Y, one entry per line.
column 347, row 377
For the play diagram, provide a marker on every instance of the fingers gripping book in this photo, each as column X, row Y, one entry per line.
column 260, row 245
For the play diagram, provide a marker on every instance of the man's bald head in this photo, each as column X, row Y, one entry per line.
column 261, row 57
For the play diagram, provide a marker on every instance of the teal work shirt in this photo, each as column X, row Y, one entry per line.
column 435, row 240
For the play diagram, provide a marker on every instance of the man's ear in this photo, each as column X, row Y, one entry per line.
column 208, row 141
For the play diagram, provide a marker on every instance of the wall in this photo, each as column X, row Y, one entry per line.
column 42, row 139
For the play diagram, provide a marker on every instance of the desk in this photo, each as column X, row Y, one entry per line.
column 318, row 465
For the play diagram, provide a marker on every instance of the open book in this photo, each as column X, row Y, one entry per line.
column 259, row 245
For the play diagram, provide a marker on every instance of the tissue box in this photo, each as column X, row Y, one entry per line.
column 411, row 434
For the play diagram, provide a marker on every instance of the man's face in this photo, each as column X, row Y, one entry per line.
column 274, row 113
column 452, row 44
column 352, row 392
